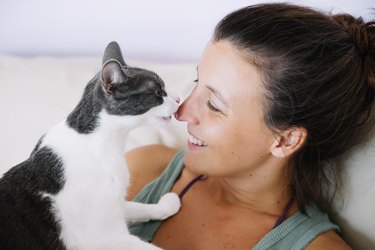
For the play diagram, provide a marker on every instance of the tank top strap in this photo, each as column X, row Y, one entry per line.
column 152, row 193
column 189, row 185
column 297, row 231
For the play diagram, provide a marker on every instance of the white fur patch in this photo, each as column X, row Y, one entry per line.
column 91, row 206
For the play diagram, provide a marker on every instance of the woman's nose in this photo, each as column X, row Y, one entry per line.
column 186, row 112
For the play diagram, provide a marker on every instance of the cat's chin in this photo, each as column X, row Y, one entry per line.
column 163, row 120
column 166, row 118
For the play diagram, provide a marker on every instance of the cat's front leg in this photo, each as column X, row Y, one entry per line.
column 168, row 205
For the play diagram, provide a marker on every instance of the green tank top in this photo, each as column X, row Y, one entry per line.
column 296, row 232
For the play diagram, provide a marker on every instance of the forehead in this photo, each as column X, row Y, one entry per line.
column 224, row 68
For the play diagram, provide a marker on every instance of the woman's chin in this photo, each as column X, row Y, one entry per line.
column 194, row 164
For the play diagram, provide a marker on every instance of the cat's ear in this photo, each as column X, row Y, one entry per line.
column 112, row 75
column 113, row 51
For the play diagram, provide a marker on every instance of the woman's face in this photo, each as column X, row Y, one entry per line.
column 224, row 115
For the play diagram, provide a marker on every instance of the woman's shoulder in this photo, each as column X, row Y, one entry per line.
column 328, row 240
column 145, row 164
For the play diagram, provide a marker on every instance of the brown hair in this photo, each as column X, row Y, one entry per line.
column 319, row 73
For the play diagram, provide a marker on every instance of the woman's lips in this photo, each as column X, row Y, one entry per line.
column 196, row 141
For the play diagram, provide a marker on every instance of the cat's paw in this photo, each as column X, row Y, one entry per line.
column 169, row 205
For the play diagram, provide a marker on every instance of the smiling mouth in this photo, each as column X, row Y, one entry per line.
column 192, row 139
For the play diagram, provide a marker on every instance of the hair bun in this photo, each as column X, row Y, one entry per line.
column 356, row 28
column 364, row 38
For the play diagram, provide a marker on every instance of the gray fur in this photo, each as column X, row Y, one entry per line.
column 113, row 51
column 26, row 218
column 119, row 89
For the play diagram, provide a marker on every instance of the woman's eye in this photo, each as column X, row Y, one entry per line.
column 212, row 107
column 195, row 82
column 195, row 85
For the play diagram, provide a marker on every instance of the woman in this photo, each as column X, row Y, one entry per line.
column 281, row 90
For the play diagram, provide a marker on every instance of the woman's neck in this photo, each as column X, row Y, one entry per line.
column 267, row 191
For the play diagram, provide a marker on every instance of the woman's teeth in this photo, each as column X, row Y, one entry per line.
column 196, row 141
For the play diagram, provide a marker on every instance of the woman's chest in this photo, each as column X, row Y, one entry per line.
column 203, row 225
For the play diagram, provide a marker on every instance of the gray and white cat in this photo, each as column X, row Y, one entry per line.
column 70, row 193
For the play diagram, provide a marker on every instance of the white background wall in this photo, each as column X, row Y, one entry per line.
column 163, row 30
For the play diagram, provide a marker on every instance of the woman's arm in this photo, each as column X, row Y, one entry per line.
column 328, row 240
column 146, row 164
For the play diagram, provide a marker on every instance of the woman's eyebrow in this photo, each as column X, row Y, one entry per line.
column 218, row 95
column 215, row 92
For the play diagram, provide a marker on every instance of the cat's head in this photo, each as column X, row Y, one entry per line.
column 131, row 91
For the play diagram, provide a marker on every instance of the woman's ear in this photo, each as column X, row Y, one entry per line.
column 289, row 142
